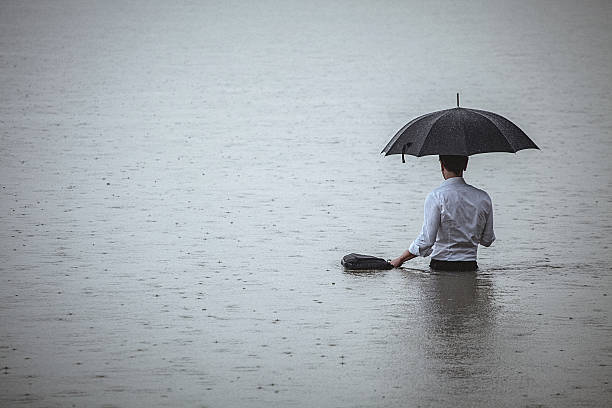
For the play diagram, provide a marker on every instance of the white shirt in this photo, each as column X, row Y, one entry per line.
column 458, row 217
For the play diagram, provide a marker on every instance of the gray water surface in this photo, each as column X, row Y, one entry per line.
column 181, row 179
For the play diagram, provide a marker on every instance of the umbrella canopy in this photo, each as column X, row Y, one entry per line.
column 458, row 131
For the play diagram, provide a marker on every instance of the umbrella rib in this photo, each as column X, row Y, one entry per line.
column 418, row 154
column 496, row 127
column 400, row 132
column 464, row 138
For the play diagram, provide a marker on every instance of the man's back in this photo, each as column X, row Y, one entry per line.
column 458, row 217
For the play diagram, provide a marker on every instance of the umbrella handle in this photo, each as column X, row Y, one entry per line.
column 403, row 151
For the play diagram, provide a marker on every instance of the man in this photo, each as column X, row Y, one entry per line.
column 458, row 217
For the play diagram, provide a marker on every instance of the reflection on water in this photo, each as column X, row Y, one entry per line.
column 460, row 325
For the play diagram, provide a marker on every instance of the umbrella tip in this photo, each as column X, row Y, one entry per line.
column 457, row 99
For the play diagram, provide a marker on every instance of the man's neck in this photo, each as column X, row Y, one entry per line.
column 449, row 174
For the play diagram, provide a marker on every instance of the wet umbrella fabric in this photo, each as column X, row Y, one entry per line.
column 458, row 131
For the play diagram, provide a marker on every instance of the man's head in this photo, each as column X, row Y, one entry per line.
column 454, row 164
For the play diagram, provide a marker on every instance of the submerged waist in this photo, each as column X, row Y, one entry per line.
column 461, row 266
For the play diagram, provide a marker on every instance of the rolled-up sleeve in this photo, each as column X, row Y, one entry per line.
column 423, row 244
column 488, row 236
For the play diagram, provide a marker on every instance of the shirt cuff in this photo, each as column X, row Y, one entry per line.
column 487, row 242
column 414, row 249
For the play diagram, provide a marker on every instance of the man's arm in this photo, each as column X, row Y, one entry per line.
column 407, row 255
column 422, row 246
column 488, row 236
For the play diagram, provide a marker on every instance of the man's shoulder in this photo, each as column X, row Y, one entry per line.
column 483, row 195
column 443, row 190
column 450, row 188
column 479, row 190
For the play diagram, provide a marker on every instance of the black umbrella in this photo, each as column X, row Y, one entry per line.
column 458, row 131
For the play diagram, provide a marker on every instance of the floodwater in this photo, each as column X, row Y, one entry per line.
column 179, row 181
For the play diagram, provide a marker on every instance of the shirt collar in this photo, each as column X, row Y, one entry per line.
column 453, row 180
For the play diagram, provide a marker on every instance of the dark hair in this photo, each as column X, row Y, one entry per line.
column 456, row 164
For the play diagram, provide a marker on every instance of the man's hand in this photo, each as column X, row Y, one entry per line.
column 397, row 262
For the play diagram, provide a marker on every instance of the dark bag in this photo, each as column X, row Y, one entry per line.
column 357, row 262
